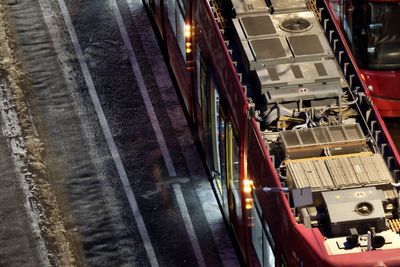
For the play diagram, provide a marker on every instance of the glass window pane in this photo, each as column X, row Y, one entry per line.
column 268, row 254
column 256, row 234
column 236, row 177
column 171, row 9
column 180, row 33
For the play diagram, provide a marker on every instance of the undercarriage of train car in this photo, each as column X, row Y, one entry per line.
column 314, row 129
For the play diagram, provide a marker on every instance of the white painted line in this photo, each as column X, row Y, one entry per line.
column 209, row 203
column 189, row 225
column 110, row 141
column 177, row 188
column 143, row 91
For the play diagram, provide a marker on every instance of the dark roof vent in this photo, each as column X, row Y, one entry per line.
column 296, row 24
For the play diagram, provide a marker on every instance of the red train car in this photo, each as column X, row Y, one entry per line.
column 277, row 118
column 372, row 35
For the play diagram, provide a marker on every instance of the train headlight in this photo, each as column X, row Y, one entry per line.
column 371, row 88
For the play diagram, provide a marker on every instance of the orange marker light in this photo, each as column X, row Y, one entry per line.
column 248, row 203
column 188, row 32
column 247, row 185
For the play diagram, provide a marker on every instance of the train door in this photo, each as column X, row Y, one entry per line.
column 218, row 137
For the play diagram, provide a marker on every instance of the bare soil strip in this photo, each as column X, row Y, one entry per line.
column 47, row 224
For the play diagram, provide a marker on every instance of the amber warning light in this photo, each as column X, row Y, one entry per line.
column 188, row 37
column 248, row 185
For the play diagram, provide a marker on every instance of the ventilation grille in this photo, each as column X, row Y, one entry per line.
column 296, row 25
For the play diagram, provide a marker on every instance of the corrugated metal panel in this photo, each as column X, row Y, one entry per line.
column 351, row 176
column 376, row 169
column 311, row 174
column 360, row 171
column 345, row 171
column 326, row 180
column 336, row 172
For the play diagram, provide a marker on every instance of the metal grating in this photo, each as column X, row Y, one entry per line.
column 296, row 24
column 394, row 225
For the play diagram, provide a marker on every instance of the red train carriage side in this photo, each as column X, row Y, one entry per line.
column 260, row 155
column 372, row 34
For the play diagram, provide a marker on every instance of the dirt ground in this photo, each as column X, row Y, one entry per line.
column 41, row 196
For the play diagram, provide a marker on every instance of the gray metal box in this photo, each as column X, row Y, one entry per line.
column 359, row 208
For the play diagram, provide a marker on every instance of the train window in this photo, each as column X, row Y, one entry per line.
column 233, row 155
column 181, row 4
column 214, row 126
column 221, row 143
column 261, row 237
column 268, row 254
column 218, row 144
column 180, row 33
column 222, row 159
column 348, row 9
column 171, row 9
column 256, row 235
column 383, row 35
column 176, row 17
column 206, row 124
column 199, row 73
column 204, row 91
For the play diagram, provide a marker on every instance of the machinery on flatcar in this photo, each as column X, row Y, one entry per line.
column 372, row 32
column 302, row 165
